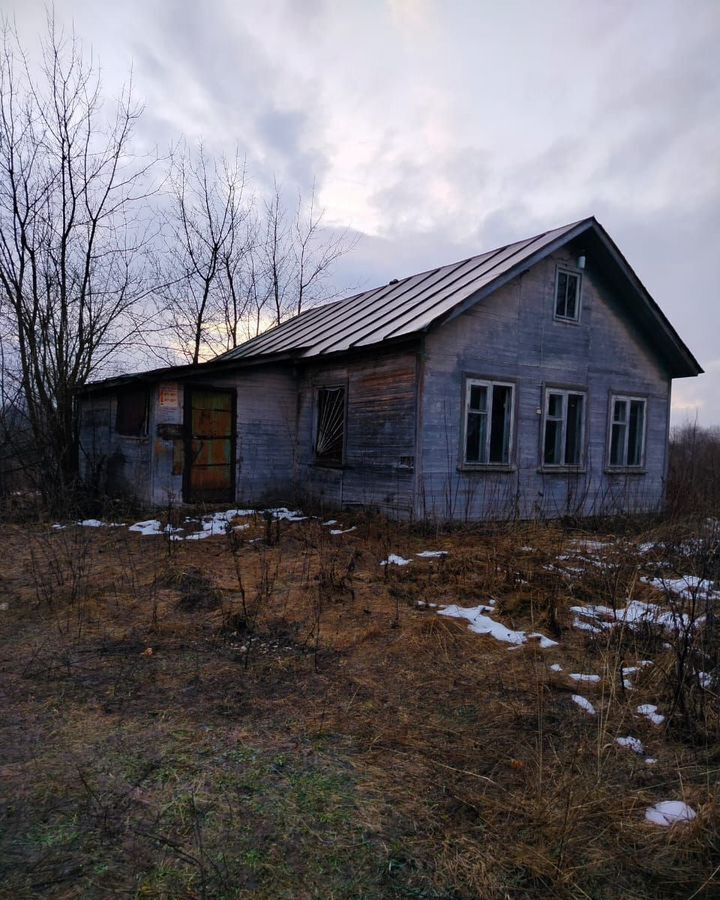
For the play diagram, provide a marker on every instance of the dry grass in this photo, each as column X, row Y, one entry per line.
column 228, row 718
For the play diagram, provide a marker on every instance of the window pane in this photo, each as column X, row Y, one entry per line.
column 553, row 436
column 478, row 397
column 500, row 425
column 617, row 445
column 573, row 435
column 475, row 439
column 635, row 436
column 619, row 411
column 560, row 298
column 132, row 407
column 571, row 301
column 330, row 424
column 555, row 405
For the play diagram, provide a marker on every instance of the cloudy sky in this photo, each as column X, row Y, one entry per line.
column 436, row 129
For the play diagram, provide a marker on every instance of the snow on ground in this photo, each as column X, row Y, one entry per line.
column 432, row 554
column 668, row 812
column 556, row 667
column 632, row 743
column 395, row 560
column 482, row 624
column 687, row 586
column 634, row 614
column 577, row 676
column 650, row 712
column 584, row 703
column 342, row 530
column 149, row 526
column 330, row 522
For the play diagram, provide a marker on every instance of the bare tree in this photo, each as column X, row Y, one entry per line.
column 71, row 238
column 204, row 252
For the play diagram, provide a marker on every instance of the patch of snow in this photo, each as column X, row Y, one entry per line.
column 632, row 743
column 650, row 760
column 482, row 624
column 545, row 642
column 150, row 526
column 238, row 513
column 91, row 523
column 586, row 626
column 345, row 531
column 198, row 535
column 635, row 613
column 668, row 812
column 282, row 512
column 58, row 527
column 556, row 667
column 688, row 586
column 330, row 522
column 650, row 712
column 394, row 560
column 432, row 554
column 705, row 679
column 577, row 676
column 584, row 703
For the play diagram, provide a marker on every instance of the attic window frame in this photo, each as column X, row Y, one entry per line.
column 122, row 416
column 335, row 457
column 568, row 271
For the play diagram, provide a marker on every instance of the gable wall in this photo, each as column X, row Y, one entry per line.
column 512, row 335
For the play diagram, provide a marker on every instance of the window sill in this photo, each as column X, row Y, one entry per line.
column 563, row 321
column 562, row 470
column 486, row 467
column 323, row 464
column 625, row 470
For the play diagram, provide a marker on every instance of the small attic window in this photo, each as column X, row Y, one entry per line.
column 567, row 295
column 132, row 412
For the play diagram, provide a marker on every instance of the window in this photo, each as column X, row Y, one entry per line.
column 132, row 412
column 564, row 428
column 488, row 422
column 627, row 431
column 330, row 434
column 567, row 296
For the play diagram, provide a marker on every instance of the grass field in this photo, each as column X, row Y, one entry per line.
column 270, row 712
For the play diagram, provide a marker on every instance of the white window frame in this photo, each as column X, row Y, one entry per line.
column 565, row 393
column 566, row 270
column 490, row 385
column 627, row 399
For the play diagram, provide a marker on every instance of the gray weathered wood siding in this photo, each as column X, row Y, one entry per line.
column 512, row 335
column 113, row 463
column 379, row 433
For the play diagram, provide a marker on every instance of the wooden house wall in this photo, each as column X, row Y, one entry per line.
column 113, row 463
column 379, row 433
column 512, row 335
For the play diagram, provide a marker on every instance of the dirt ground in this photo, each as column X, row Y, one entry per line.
column 270, row 712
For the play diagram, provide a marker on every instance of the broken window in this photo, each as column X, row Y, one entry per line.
column 567, row 295
column 330, row 433
column 564, row 427
column 627, row 431
column 132, row 412
column 488, row 422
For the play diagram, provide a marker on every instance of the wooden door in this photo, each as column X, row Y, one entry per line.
column 209, row 445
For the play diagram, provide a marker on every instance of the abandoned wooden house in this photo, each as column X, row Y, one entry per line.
column 534, row 379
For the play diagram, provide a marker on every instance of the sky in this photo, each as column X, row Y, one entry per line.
column 436, row 129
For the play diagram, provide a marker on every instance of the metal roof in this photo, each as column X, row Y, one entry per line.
column 401, row 308
column 409, row 306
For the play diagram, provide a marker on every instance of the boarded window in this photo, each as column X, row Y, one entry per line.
column 567, row 296
column 564, row 428
column 330, row 434
column 627, row 431
column 488, row 422
column 132, row 412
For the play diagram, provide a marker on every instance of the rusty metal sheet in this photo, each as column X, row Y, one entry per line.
column 209, row 449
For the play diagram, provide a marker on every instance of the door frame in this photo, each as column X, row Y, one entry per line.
column 187, row 437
